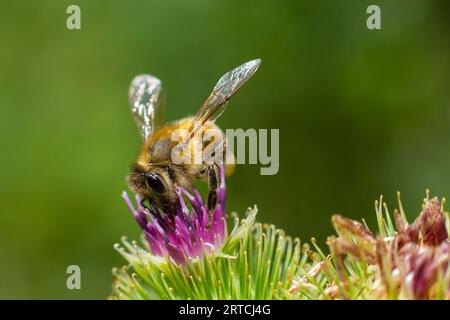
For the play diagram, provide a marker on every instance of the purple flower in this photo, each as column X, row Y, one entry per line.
column 423, row 265
column 411, row 260
column 187, row 234
column 431, row 224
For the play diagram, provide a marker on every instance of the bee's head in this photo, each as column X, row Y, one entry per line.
column 153, row 184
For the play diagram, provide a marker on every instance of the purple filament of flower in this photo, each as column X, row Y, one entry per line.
column 188, row 234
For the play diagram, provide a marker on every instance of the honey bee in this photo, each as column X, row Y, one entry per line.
column 155, row 176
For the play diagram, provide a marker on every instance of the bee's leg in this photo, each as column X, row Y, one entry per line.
column 213, row 182
column 153, row 209
column 144, row 205
column 170, row 210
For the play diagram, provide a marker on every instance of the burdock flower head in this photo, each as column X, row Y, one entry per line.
column 191, row 255
column 187, row 234
column 405, row 261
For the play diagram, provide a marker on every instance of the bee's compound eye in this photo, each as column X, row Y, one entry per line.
column 154, row 183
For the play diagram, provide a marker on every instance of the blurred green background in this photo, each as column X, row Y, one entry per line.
column 360, row 113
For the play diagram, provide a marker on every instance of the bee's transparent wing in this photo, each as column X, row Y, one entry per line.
column 227, row 86
column 146, row 101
